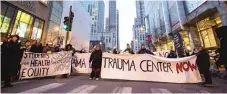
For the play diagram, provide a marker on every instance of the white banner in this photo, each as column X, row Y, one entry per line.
column 82, row 63
column 162, row 53
column 150, row 68
column 43, row 64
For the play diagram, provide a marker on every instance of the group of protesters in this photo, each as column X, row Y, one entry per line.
column 12, row 52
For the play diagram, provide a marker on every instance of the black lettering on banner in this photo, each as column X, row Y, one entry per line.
column 132, row 64
column 22, row 73
column 141, row 65
column 36, row 63
column 37, row 72
column 159, row 66
column 169, row 67
column 118, row 64
column 110, row 62
column 104, row 61
column 81, row 63
column 124, row 63
column 25, row 55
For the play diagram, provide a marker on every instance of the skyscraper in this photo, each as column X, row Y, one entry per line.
column 113, row 22
column 96, row 10
column 138, row 27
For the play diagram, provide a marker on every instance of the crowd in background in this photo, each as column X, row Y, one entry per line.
column 12, row 51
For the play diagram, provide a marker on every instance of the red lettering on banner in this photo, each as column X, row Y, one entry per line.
column 185, row 66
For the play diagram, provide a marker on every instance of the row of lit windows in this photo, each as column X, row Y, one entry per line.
column 24, row 25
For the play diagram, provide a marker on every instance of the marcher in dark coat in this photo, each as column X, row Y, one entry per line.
column 129, row 49
column 96, row 63
column 222, row 35
column 203, row 63
column 37, row 47
column 115, row 51
column 4, row 56
column 12, row 64
column 172, row 54
column 143, row 50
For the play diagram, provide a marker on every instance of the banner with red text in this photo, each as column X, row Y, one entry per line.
column 43, row 64
column 150, row 68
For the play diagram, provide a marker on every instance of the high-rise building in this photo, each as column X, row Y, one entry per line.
column 96, row 9
column 138, row 27
column 55, row 15
column 194, row 20
column 113, row 23
column 79, row 36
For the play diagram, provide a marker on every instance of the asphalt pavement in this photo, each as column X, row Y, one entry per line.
column 81, row 84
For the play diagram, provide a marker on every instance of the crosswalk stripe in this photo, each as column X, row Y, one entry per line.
column 83, row 89
column 203, row 91
column 126, row 90
column 159, row 90
column 164, row 90
column 122, row 90
column 43, row 88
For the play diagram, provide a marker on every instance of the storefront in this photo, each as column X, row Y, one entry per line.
column 206, row 30
column 17, row 21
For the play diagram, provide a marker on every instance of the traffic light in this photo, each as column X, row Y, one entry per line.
column 66, row 23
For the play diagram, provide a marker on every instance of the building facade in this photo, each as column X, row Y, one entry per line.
column 55, row 15
column 139, row 26
column 96, row 9
column 194, row 20
column 113, row 21
column 79, row 37
column 28, row 19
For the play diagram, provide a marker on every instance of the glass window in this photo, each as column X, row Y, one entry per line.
column 22, row 24
column 6, row 17
column 37, row 29
column 192, row 5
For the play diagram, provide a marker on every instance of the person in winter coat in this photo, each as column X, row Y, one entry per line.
column 115, row 51
column 222, row 35
column 11, row 66
column 195, row 51
column 203, row 63
column 27, row 46
column 172, row 54
column 96, row 63
column 143, row 50
column 129, row 49
column 4, row 56
column 37, row 47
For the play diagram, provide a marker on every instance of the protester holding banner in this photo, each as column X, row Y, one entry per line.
column 27, row 46
column 11, row 66
column 143, row 50
column 37, row 47
column 195, row 51
column 129, row 49
column 96, row 62
column 203, row 62
column 172, row 54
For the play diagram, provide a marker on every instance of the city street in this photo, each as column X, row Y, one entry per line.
column 81, row 84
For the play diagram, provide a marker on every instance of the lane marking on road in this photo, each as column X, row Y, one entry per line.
column 122, row 90
column 159, row 90
column 203, row 91
column 44, row 88
column 83, row 89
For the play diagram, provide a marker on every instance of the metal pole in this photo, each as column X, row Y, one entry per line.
column 67, row 33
